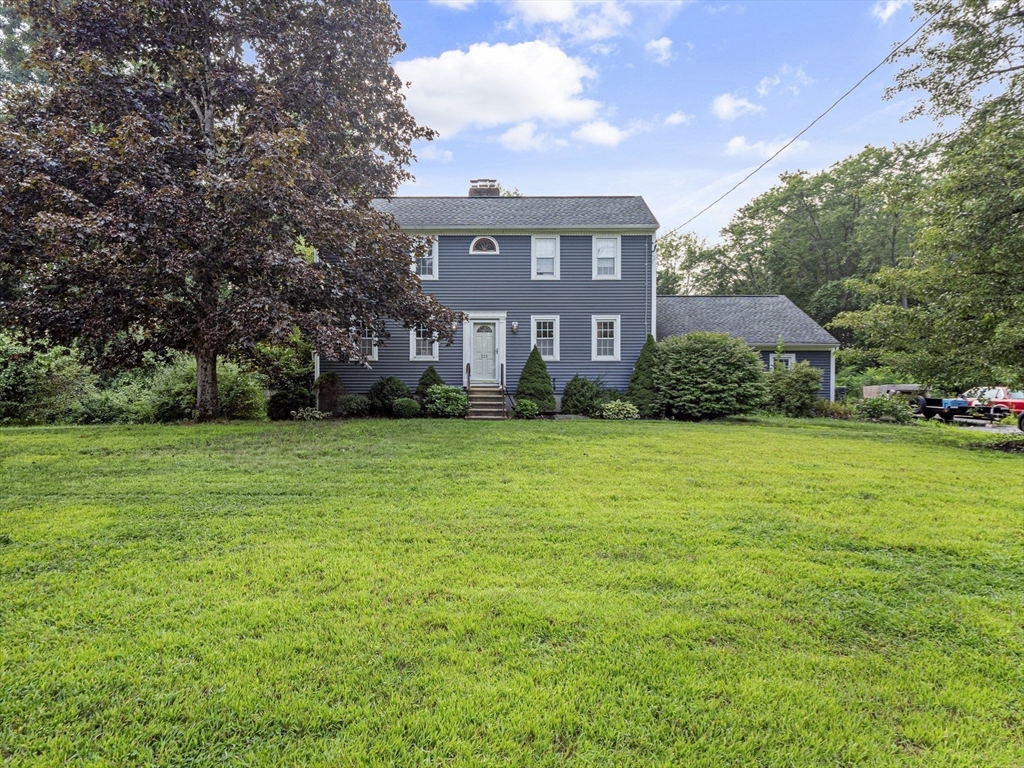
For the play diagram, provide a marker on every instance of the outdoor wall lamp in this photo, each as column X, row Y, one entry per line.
column 515, row 327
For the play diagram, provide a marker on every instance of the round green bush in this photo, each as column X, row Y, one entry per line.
column 525, row 409
column 384, row 392
column 619, row 410
column 794, row 391
column 705, row 375
column 405, row 408
column 581, row 396
column 353, row 406
column 446, row 402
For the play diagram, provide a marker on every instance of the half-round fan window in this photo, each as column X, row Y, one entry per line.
column 484, row 245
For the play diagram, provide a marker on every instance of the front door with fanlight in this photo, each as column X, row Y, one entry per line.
column 484, row 368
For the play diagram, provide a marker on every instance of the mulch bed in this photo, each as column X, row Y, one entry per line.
column 1013, row 445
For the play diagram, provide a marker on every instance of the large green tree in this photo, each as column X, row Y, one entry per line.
column 165, row 189
column 952, row 315
column 811, row 234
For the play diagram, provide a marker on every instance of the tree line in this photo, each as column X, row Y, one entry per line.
column 911, row 255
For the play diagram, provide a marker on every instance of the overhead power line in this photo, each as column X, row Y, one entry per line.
column 810, row 125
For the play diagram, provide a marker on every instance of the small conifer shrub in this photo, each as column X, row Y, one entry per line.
column 535, row 383
column 641, row 391
column 429, row 378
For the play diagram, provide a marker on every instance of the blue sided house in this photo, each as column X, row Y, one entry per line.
column 573, row 276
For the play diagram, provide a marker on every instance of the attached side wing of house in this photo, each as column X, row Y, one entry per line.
column 760, row 321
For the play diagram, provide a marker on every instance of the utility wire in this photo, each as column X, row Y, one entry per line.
column 789, row 143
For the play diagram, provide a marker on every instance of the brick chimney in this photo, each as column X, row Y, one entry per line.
column 484, row 188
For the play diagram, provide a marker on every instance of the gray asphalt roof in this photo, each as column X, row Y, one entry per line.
column 758, row 320
column 478, row 214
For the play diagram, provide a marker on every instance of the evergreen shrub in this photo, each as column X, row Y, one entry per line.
column 384, row 392
column 353, row 406
column 328, row 388
column 705, row 375
column 641, row 391
column 405, row 408
column 581, row 396
column 429, row 379
column 535, row 383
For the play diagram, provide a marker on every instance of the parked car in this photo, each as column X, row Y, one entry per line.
column 996, row 398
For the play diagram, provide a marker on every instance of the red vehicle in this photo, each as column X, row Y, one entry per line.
column 996, row 398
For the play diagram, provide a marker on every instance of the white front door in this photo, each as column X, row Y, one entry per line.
column 484, row 368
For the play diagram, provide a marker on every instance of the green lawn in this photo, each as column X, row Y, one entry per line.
column 523, row 593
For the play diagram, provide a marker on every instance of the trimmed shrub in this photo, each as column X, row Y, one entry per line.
column 619, row 410
column 446, row 402
column 384, row 392
column 535, row 383
column 705, row 375
column 827, row 409
column 891, row 410
column 794, row 391
column 405, row 408
column 353, row 406
column 525, row 409
column 328, row 388
column 641, row 391
column 240, row 393
column 430, row 378
column 581, row 396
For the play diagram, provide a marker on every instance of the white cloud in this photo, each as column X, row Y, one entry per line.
column 679, row 118
column 883, row 10
column 523, row 137
column 458, row 5
column 603, row 49
column 728, row 107
column 794, row 77
column 491, row 85
column 738, row 146
column 660, row 50
column 431, row 152
column 581, row 19
column 601, row 132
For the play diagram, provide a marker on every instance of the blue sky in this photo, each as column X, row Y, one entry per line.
column 672, row 100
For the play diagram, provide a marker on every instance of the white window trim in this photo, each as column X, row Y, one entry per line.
column 372, row 357
column 497, row 248
column 788, row 356
column 558, row 336
column 618, row 257
column 594, row 319
column 533, row 257
column 412, row 348
column 433, row 253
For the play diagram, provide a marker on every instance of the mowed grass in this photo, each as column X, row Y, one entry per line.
column 774, row 593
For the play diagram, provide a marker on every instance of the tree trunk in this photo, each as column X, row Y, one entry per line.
column 207, row 406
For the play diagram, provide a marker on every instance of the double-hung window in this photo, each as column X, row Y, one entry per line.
column 781, row 361
column 426, row 264
column 422, row 343
column 545, row 257
column 367, row 342
column 544, row 335
column 605, row 331
column 607, row 259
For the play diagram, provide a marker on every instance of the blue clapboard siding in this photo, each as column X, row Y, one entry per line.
column 822, row 360
column 501, row 283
